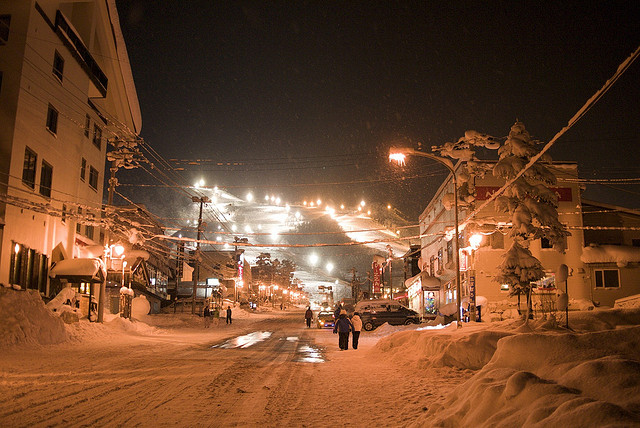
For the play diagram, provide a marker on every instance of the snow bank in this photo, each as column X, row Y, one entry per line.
column 619, row 254
column 24, row 319
column 467, row 348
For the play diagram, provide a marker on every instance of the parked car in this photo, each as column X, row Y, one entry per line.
column 325, row 319
column 392, row 314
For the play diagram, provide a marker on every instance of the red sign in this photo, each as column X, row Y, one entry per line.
column 484, row 192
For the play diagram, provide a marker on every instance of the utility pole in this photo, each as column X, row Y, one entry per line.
column 390, row 263
column 196, row 259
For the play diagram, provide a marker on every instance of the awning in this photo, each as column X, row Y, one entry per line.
column 79, row 270
column 428, row 282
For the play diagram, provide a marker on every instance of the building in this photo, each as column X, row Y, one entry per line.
column 612, row 252
column 433, row 291
column 66, row 88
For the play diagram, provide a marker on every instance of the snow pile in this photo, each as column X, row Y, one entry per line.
column 619, row 254
column 467, row 348
column 24, row 319
column 114, row 327
column 588, row 379
column 628, row 302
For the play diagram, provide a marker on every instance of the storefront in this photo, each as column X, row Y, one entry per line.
column 424, row 294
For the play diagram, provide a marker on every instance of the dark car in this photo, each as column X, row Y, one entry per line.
column 325, row 320
column 396, row 315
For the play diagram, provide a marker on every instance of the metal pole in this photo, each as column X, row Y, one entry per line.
column 103, row 284
column 196, row 265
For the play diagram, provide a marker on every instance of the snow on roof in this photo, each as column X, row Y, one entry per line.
column 91, row 268
column 619, row 254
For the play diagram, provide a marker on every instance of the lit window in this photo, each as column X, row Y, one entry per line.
column 29, row 168
column 93, row 178
column 5, row 22
column 607, row 278
column 58, row 65
column 46, row 174
column 97, row 135
column 52, row 119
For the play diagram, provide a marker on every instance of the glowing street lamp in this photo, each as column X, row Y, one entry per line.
column 329, row 267
column 399, row 154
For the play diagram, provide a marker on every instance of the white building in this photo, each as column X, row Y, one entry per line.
column 435, row 286
column 65, row 89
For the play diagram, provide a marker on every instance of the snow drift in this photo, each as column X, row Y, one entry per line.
column 24, row 319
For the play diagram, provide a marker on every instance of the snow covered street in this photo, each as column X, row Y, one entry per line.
column 268, row 369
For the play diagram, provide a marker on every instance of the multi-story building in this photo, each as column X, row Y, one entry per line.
column 435, row 286
column 65, row 89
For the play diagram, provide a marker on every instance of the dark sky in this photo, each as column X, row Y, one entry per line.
column 301, row 93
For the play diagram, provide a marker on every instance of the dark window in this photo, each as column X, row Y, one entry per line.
column 87, row 125
column 607, row 278
column 93, row 178
column 545, row 243
column 63, row 219
column 78, row 224
column 83, row 169
column 635, row 242
column 29, row 168
column 88, row 229
column 450, row 251
column 46, row 174
column 5, row 23
column 52, row 119
column 497, row 240
column 58, row 65
column 97, row 135
column 28, row 268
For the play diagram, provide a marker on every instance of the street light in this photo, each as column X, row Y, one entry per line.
column 399, row 154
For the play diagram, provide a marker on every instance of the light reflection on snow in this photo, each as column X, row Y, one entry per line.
column 245, row 341
column 431, row 327
column 309, row 354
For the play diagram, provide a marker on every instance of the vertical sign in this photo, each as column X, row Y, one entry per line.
column 377, row 276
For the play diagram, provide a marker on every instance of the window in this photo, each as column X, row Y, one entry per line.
column 63, row 219
column 78, row 224
column 88, row 229
column 496, row 240
column 432, row 267
column 93, row 178
column 28, row 268
column 607, row 278
column 46, row 174
column 545, row 243
column 83, row 169
column 52, row 119
column 5, row 22
column 87, row 125
column 29, row 168
column 635, row 242
column 449, row 251
column 97, row 135
column 58, row 65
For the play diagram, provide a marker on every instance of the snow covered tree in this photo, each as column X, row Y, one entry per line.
column 531, row 205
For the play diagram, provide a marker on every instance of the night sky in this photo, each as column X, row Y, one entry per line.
column 300, row 93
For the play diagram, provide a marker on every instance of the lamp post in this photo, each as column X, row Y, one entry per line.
column 398, row 154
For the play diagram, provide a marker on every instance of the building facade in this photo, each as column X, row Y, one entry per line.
column 433, row 291
column 65, row 89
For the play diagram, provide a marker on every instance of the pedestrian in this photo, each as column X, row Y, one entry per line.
column 336, row 312
column 342, row 327
column 228, row 314
column 281, row 306
column 216, row 315
column 308, row 316
column 206, row 314
column 356, row 322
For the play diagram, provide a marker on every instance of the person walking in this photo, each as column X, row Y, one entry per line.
column 342, row 327
column 229, row 315
column 336, row 312
column 206, row 314
column 308, row 315
column 356, row 322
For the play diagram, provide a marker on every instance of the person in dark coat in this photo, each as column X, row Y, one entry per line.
column 308, row 316
column 206, row 314
column 336, row 313
column 228, row 314
column 343, row 327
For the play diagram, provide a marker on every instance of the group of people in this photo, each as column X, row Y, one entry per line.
column 344, row 326
column 207, row 314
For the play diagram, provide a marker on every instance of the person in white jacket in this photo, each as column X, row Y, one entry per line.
column 356, row 321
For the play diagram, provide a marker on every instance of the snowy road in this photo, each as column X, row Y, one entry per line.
column 281, row 374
